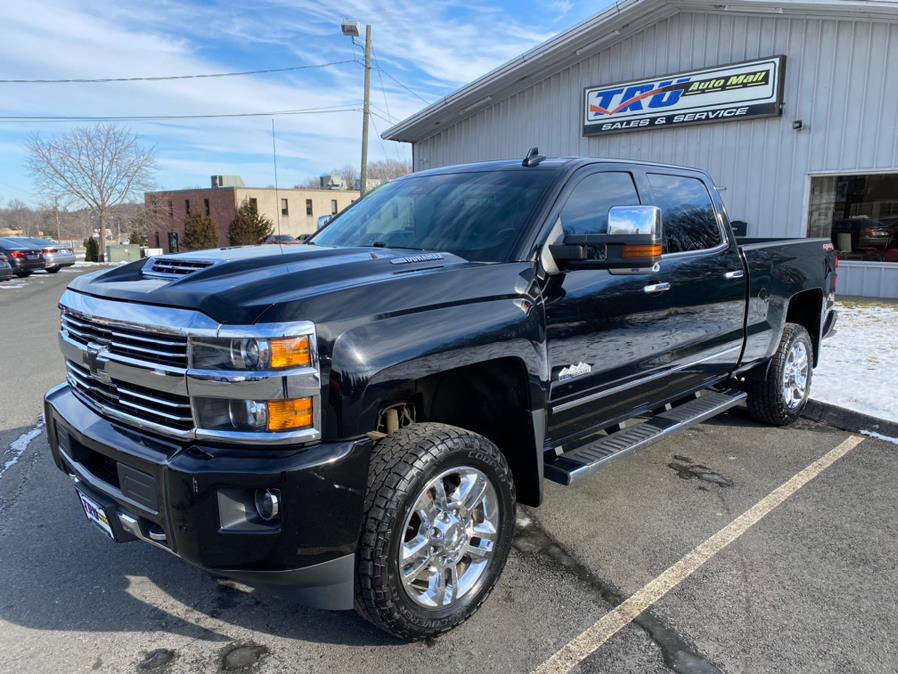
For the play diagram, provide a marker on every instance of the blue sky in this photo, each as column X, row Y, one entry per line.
column 431, row 47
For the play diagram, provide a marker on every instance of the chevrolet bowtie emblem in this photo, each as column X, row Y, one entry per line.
column 95, row 358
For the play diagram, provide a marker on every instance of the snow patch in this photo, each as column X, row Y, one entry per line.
column 880, row 436
column 858, row 363
column 81, row 265
column 18, row 446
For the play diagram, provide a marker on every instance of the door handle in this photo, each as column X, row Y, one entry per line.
column 734, row 274
column 656, row 288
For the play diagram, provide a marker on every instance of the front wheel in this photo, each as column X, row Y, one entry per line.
column 23, row 274
column 439, row 520
column 779, row 398
column 52, row 270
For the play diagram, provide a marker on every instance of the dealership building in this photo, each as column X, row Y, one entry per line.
column 790, row 106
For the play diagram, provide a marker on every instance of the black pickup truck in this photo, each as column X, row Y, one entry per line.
column 358, row 417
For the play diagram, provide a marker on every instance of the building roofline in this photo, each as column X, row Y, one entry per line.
column 232, row 188
column 601, row 31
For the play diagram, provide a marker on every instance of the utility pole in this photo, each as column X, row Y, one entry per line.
column 363, row 176
column 56, row 215
column 353, row 29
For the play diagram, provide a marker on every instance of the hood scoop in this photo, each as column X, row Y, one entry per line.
column 170, row 267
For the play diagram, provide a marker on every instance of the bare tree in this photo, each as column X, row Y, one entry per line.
column 388, row 169
column 383, row 170
column 19, row 216
column 100, row 166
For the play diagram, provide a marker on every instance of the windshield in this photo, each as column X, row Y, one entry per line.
column 477, row 216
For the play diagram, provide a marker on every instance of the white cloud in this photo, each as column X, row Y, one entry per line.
column 431, row 47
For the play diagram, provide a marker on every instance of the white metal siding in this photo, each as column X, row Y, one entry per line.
column 841, row 81
column 868, row 279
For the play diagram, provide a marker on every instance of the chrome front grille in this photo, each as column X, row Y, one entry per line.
column 174, row 267
column 130, row 362
column 158, row 407
column 141, row 345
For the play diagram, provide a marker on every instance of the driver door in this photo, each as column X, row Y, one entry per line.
column 609, row 334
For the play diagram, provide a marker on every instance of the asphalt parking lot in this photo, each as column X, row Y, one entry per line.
column 809, row 587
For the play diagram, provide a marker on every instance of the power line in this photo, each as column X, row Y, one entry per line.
column 145, row 118
column 411, row 91
column 385, row 114
column 381, row 70
column 379, row 137
column 377, row 114
column 383, row 90
column 100, row 80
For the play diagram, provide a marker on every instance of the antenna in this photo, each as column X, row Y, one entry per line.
column 277, row 200
column 533, row 157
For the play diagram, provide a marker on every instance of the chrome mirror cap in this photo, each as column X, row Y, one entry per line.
column 634, row 221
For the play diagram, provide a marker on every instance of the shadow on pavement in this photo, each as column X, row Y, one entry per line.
column 58, row 573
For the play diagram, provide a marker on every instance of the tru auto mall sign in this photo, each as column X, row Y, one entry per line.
column 744, row 90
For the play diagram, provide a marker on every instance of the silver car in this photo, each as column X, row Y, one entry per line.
column 54, row 255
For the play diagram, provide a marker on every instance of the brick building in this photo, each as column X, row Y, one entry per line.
column 291, row 211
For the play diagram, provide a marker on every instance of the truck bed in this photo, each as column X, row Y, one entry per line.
column 779, row 269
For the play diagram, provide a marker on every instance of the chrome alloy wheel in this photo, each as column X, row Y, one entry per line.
column 795, row 374
column 449, row 537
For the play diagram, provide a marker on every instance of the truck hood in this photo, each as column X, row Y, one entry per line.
column 239, row 285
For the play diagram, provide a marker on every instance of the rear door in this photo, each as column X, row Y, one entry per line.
column 705, row 270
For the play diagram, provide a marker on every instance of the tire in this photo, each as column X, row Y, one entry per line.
column 405, row 468
column 23, row 274
column 52, row 270
column 767, row 398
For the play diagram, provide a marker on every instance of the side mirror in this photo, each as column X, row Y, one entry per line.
column 323, row 220
column 632, row 243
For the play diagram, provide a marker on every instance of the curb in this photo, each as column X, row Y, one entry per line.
column 847, row 420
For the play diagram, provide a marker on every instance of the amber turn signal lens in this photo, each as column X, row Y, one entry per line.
column 289, row 415
column 290, row 352
column 632, row 251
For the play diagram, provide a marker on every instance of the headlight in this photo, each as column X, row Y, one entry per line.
column 249, row 353
column 254, row 416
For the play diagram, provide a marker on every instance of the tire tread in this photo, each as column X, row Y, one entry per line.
column 395, row 464
column 765, row 400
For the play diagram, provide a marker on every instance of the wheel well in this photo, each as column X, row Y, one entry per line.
column 805, row 308
column 492, row 399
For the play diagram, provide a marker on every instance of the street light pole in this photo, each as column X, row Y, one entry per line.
column 363, row 177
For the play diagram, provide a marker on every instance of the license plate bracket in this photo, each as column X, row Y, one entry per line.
column 97, row 514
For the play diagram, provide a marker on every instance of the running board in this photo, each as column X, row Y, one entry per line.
column 577, row 463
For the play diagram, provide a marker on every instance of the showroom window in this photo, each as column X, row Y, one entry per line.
column 858, row 213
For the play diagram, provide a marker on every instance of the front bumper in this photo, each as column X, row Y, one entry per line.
column 194, row 499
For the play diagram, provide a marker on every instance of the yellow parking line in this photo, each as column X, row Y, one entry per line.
column 576, row 650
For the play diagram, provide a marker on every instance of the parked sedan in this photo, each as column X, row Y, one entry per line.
column 23, row 259
column 279, row 238
column 55, row 256
column 5, row 268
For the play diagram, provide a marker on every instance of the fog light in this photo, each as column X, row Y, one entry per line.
column 289, row 415
column 248, row 415
column 267, row 503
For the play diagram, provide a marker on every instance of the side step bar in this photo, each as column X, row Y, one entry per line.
column 573, row 465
